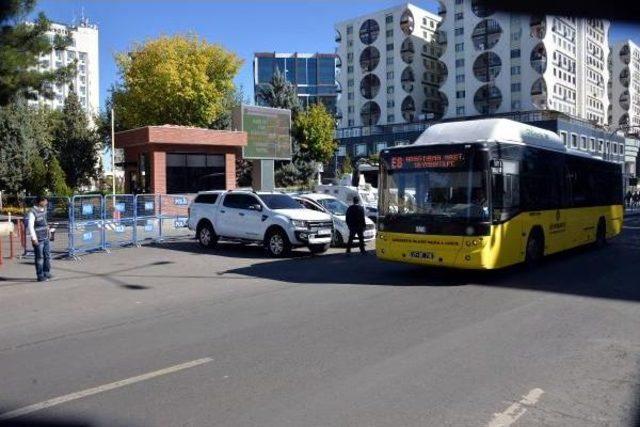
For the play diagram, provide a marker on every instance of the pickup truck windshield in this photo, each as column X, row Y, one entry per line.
column 280, row 201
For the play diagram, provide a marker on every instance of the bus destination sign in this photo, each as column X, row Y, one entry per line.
column 427, row 161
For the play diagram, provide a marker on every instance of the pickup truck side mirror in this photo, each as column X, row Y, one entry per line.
column 256, row 207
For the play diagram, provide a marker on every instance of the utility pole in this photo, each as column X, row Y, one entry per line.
column 113, row 155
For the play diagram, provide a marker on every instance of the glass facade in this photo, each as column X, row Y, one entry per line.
column 314, row 77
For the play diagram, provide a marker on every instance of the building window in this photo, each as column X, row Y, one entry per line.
column 389, row 46
column 381, row 146
column 391, row 118
column 350, row 69
column 563, row 135
column 390, row 75
column 460, row 78
column 390, row 90
column 460, row 63
column 515, row 87
column 350, row 29
column 592, row 144
column 350, row 96
column 389, row 33
column 361, row 150
column 460, row 94
column 583, row 142
column 388, row 19
column 459, row 47
column 389, row 60
column 600, row 145
column 459, row 1
column 459, row 31
column 515, row 105
column 391, row 103
column 459, row 111
column 459, row 16
column 574, row 140
column 515, row 53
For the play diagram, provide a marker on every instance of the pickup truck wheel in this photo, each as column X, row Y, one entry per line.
column 277, row 244
column 337, row 241
column 207, row 236
column 319, row 249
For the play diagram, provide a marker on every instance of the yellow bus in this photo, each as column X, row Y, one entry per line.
column 486, row 194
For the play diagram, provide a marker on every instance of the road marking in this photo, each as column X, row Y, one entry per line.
column 515, row 411
column 100, row 389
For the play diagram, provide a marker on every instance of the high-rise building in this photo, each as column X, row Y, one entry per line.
column 312, row 74
column 500, row 62
column 84, row 49
column 388, row 67
column 625, row 86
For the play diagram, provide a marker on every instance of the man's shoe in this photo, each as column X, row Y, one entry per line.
column 41, row 279
column 48, row 276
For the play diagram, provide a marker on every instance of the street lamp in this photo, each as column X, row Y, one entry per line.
column 113, row 155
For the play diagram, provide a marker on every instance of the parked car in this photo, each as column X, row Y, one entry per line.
column 367, row 195
column 274, row 220
column 337, row 209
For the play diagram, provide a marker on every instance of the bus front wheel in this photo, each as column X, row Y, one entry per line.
column 601, row 234
column 535, row 248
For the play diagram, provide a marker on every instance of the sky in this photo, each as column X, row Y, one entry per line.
column 242, row 26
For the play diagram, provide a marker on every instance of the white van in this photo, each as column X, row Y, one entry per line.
column 367, row 195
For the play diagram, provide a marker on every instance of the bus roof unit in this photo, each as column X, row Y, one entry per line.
column 490, row 130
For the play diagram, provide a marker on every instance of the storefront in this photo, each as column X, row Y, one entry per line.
column 177, row 159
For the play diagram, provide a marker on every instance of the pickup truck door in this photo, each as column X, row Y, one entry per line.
column 250, row 216
column 239, row 217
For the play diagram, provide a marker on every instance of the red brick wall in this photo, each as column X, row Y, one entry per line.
column 158, row 172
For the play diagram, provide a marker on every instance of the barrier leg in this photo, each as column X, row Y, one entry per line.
column 1, row 256
column 11, row 245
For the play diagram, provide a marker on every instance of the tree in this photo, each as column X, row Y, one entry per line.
column 279, row 93
column 27, row 161
column 76, row 143
column 179, row 80
column 347, row 166
column 21, row 46
column 313, row 130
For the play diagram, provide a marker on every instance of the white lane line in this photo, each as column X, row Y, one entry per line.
column 100, row 389
column 515, row 411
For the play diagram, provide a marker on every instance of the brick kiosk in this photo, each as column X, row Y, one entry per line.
column 177, row 159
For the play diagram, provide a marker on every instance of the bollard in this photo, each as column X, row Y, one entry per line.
column 1, row 256
column 11, row 245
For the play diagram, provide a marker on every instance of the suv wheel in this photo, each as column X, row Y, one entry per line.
column 277, row 244
column 319, row 249
column 206, row 236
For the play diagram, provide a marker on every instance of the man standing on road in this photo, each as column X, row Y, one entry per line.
column 356, row 223
column 39, row 234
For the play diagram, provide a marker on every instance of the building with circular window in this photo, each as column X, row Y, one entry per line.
column 390, row 73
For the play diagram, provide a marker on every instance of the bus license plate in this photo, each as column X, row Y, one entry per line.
column 421, row 255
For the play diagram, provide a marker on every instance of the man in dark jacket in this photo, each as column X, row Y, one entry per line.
column 356, row 223
column 39, row 232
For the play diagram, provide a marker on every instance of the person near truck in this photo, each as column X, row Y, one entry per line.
column 39, row 234
column 355, row 219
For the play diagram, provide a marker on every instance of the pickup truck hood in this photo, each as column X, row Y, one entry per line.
column 303, row 214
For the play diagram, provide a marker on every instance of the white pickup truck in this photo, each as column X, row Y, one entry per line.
column 273, row 219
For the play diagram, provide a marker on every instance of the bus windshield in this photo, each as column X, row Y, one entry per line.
column 435, row 183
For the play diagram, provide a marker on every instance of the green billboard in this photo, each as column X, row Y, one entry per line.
column 268, row 132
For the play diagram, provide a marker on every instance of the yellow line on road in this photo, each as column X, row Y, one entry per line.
column 100, row 389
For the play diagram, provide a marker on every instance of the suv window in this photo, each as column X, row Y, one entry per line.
column 206, row 198
column 239, row 201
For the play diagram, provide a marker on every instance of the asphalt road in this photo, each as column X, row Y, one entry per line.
column 174, row 336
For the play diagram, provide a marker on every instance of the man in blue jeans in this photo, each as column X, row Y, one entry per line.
column 39, row 234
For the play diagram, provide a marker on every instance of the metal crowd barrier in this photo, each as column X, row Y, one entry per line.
column 147, row 218
column 119, row 221
column 174, row 216
column 88, row 223
column 86, row 231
